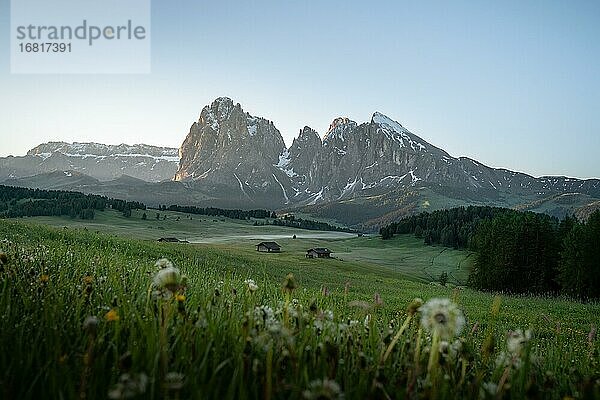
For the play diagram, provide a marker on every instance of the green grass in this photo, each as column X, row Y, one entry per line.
column 222, row 348
column 404, row 254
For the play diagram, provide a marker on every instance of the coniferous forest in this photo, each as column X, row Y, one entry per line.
column 21, row 202
column 517, row 252
column 213, row 211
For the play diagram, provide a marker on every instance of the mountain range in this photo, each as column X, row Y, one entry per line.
column 362, row 174
column 100, row 161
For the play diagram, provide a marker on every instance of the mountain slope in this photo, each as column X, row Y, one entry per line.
column 100, row 161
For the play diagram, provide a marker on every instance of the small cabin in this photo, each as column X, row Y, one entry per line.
column 171, row 240
column 319, row 252
column 268, row 247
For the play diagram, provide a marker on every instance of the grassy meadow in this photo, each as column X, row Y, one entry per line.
column 86, row 313
column 404, row 254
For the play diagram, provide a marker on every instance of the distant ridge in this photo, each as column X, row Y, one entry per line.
column 362, row 174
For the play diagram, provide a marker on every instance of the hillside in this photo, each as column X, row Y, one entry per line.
column 99, row 331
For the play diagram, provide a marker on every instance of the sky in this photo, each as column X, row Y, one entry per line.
column 512, row 84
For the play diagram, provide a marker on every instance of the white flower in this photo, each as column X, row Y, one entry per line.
column 442, row 316
column 516, row 341
column 488, row 389
column 323, row 389
column 163, row 263
column 129, row 386
column 252, row 286
column 168, row 278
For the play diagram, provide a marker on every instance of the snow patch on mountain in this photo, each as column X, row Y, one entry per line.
column 397, row 132
column 284, row 162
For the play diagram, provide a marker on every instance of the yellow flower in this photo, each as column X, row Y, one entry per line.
column 180, row 298
column 112, row 315
column 44, row 278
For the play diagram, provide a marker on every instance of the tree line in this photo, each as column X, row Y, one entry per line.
column 451, row 228
column 18, row 202
column 212, row 211
column 291, row 221
column 517, row 252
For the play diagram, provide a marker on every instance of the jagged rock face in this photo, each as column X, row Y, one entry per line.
column 233, row 152
column 380, row 156
column 236, row 155
column 370, row 157
column 297, row 161
column 100, row 161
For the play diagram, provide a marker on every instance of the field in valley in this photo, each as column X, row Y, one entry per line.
column 405, row 254
column 90, row 316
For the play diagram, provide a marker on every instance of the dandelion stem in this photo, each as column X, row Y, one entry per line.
column 396, row 338
column 434, row 355
column 269, row 383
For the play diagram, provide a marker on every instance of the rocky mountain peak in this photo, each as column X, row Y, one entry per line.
column 307, row 134
column 339, row 122
column 232, row 149
column 339, row 128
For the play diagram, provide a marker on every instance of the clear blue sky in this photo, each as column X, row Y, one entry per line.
column 512, row 84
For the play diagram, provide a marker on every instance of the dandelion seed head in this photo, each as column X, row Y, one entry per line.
column 252, row 286
column 129, row 386
column 90, row 325
column 443, row 317
column 516, row 341
column 325, row 389
column 163, row 263
column 168, row 278
column 289, row 283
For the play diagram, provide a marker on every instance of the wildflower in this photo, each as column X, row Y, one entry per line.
column 517, row 340
column 289, row 284
column 180, row 298
column 112, row 315
column 323, row 389
column 44, row 278
column 168, row 278
column 90, row 325
column 173, row 381
column 163, row 263
column 488, row 389
column 414, row 306
column 252, row 286
column 129, row 386
column 441, row 316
